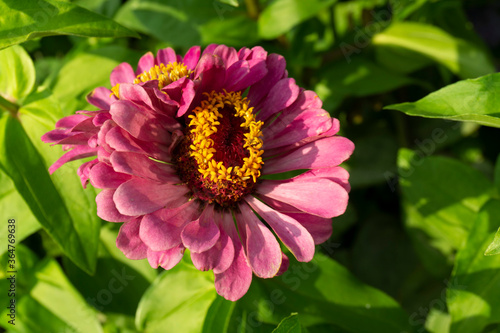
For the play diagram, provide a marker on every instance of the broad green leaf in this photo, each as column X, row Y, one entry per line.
column 438, row 321
column 290, row 324
column 461, row 57
column 441, row 198
column 474, row 301
column 17, row 73
column 474, row 100
column 118, row 283
column 13, row 206
column 218, row 316
column 67, row 215
column 360, row 77
column 230, row 2
column 324, row 291
column 45, row 299
column 189, row 22
column 178, row 298
column 85, row 72
column 494, row 247
column 107, row 8
column 282, row 15
column 25, row 20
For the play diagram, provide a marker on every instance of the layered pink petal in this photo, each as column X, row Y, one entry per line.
column 76, row 153
column 101, row 97
column 295, row 237
column 218, row 258
column 323, row 153
column 276, row 66
column 191, row 58
column 106, row 208
column 234, row 282
column 84, row 171
column 261, row 247
column 123, row 73
column 103, row 176
column 201, row 234
column 146, row 62
column 281, row 95
column 128, row 240
column 162, row 229
column 166, row 259
column 140, row 165
column 317, row 196
column 164, row 56
column 141, row 196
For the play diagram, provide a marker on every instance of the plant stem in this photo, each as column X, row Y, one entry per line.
column 252, row 9
column 8, row 106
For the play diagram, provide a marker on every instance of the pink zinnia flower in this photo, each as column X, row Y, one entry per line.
column 182, row 145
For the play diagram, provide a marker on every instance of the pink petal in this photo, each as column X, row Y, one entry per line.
column 138, row 122
column 219, row 257
column 164, row 56
column 212, row 71
column 281, row 95
column 162, row 229
column 123, row 73
column 84, row 171
column 183, row 92
column 191, row 58
column 141, row 196
column 228, row 54
column 120, row 140
column 285, row 262
column 308, row 123
column 101, row 97
column 70, row 122
column 74, row 154
column 322, row 153
column 234, row 282
column 106, row 208
column 166, row 259
column 337, row 174
column 140, row 165
column 261, row 247
column 276, row 65
column 146, row 62
column 243, row 74
column 201, row 234
column 317, row 196
column 292, row 233
column 103, row 176
column 128, row 240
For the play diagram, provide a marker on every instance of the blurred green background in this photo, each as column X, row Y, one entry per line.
column 414, row 86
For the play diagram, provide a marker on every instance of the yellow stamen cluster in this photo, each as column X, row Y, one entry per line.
column 204, row 122
column 165, row 75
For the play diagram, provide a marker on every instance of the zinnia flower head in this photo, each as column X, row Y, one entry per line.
column 182, row 146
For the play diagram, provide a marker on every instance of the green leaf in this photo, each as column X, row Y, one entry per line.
column 86, row 71
column 17, row 73
column 360, row 77
column 474, row 100
column 461, row 57
column 218, row 316
column 318, row 289
column 178, row 298
column 45, row 299
column 118, row 283
column 25, row 20
column 282, row 15
column 230, row 2
column 13, row 206
column 69, row 218
column 497, row 175
column 290, row 324
column 441, row 197
column 189, row 22
column 474, row 296
column 494, row 247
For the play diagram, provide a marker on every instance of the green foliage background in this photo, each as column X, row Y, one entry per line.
column 415, row 87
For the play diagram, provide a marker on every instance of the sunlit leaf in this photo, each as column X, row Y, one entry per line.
column 25, row 20
column 281, row 15
column 178, row 298
column 461, row 57
column 17, row 73
column 474, row 100
column 474, row 296
column 290, row 324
